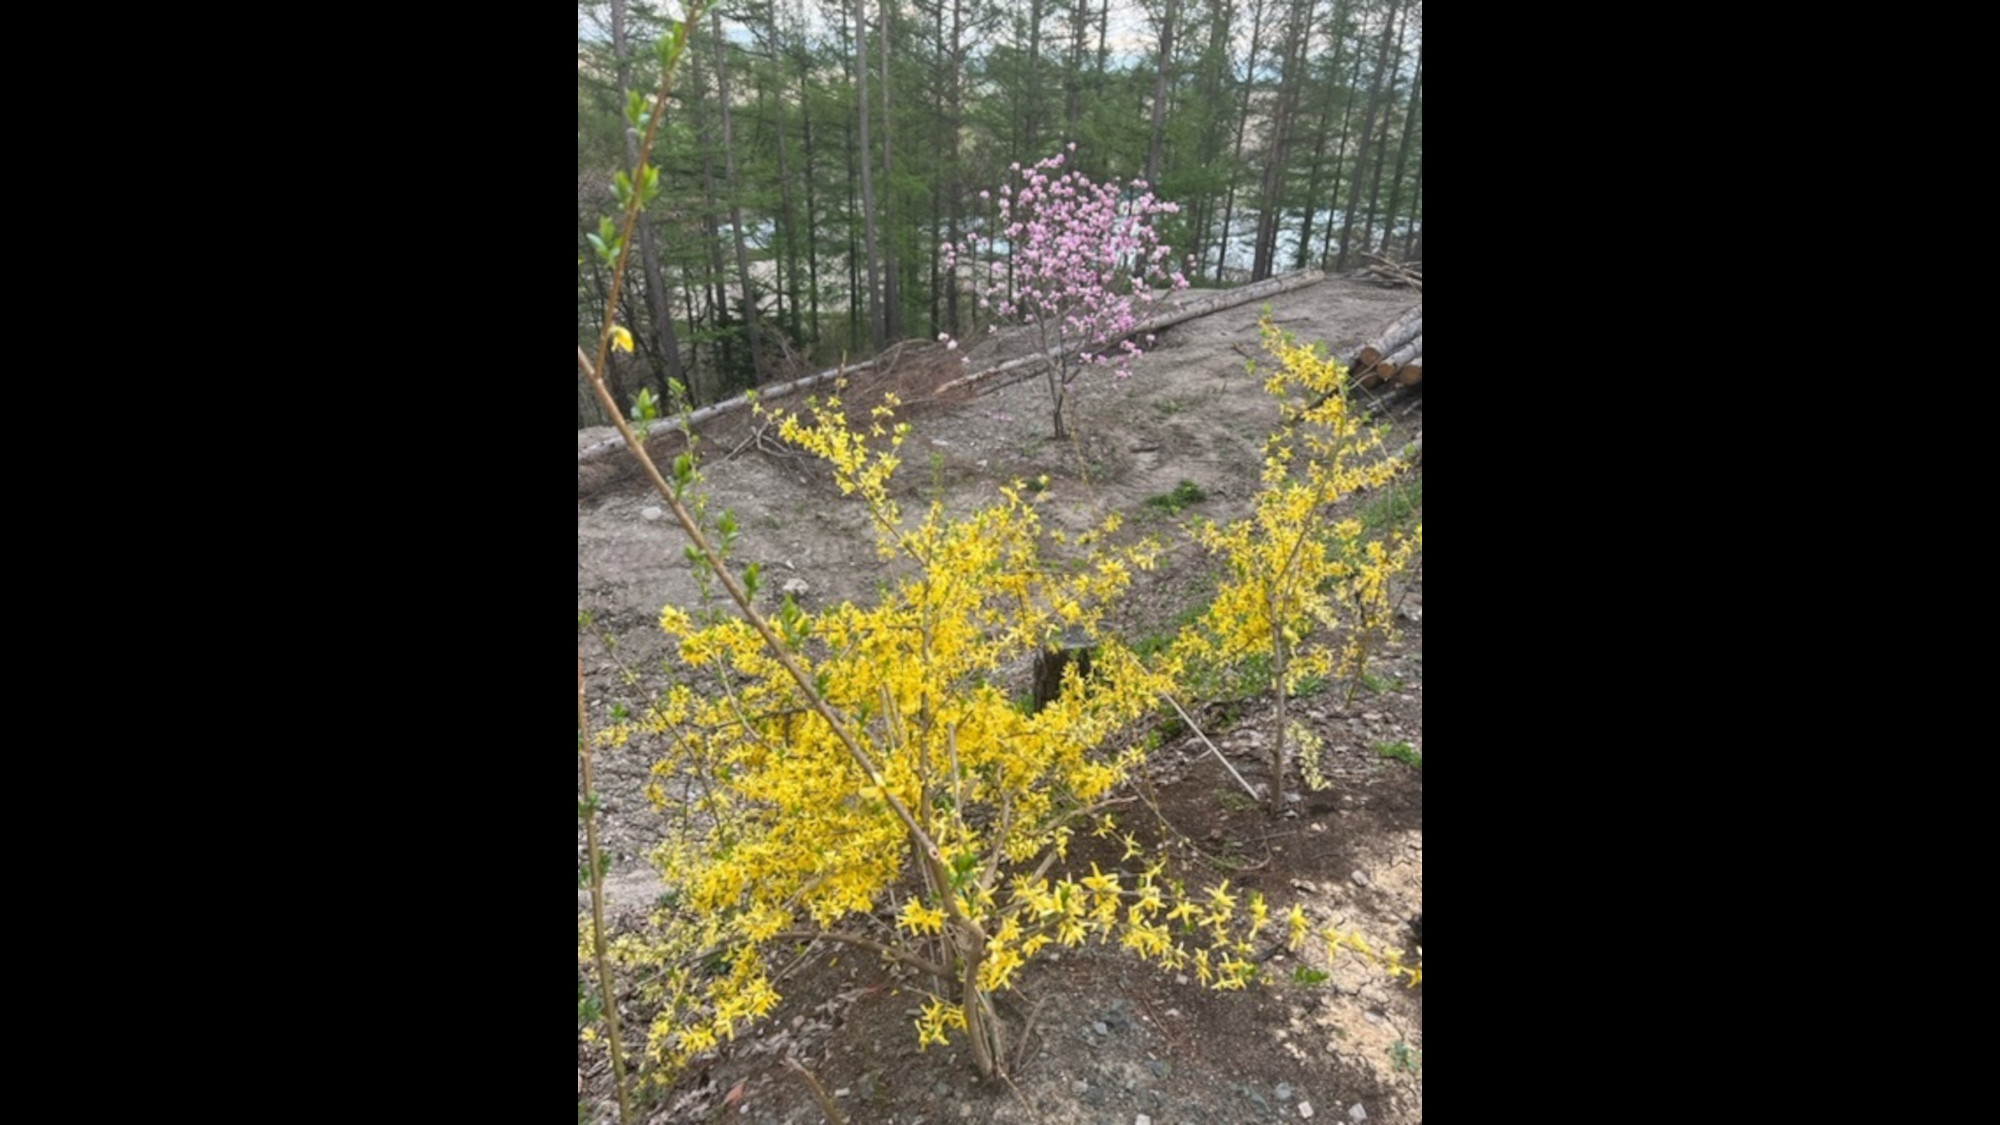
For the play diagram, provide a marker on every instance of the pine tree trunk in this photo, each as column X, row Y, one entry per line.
column 1403, row 149
column 714, row 291
column 867, row 179
column 1032, row 82
column 1367, row 129
column 657, row 298
column 1242, row 122
column 1270, row 206
column 1159, row 122
column 750, row 324
column 1340, row 152
column 812, row 204
column 1320, row 130
column 1388, row 116
column 1413, row 243
column 892, row 287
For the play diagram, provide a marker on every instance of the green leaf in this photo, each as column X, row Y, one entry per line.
column 750, row 574
column 683, row 469
column 645, row 406
column 635, row 108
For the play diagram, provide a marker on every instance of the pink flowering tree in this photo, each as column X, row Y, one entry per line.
column 1083, row 266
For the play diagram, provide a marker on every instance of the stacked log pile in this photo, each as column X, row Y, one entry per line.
column 1394, row 355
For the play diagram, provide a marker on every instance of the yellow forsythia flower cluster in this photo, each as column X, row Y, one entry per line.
column 1296, row 582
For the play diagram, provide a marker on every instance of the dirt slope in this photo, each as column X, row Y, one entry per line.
column 1111, row 1038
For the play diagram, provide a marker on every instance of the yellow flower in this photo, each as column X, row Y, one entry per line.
column 621, row 338
column 1295, row 920
column 920, row 919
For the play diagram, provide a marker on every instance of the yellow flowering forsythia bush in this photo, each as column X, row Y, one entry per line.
column 814, row 808
column 911, row 754
column 1298, row 587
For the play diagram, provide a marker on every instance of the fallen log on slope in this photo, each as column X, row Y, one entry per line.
column 1171, row 316
column 1179, row 313
column 609, row 446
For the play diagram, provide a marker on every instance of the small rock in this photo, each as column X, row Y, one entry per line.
column 842, row 1092
column 1305, row 1109
column 1079, row 1088
column 939, row 441
column 1099, row 1028
column 1142, row 1119
column 1371, row 716
column 1160, row 1067
column 1179, row 978
column 1360, row 878
column 1372, row 1017
column 1284, row 1091
column 797, row 587
column 1305, row 885
column 1356, row 1113
column 1176, row 1012
column 650, row 514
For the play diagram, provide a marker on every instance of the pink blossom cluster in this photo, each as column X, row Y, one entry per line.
column 1083, row 265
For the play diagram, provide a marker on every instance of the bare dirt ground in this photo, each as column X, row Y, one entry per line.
column 1108, row 1039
